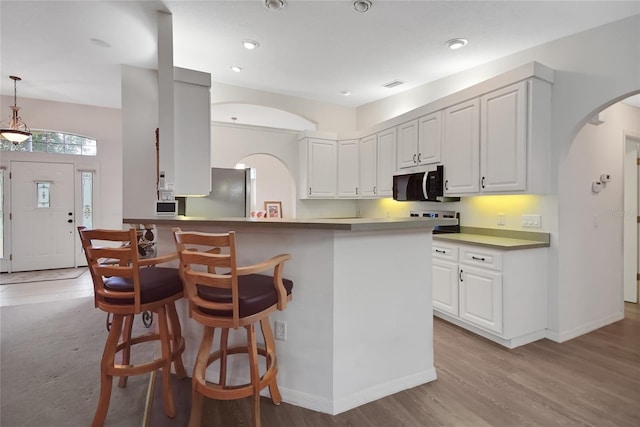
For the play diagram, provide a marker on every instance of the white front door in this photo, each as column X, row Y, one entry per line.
column 42, row 208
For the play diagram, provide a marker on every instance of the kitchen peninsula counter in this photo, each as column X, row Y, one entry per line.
column 360, row 324
column 346, row 224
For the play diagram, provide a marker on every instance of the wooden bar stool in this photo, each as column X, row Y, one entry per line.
column 223, row 295
column 123, row 288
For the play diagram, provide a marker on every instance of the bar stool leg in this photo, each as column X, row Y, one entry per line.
column 255, row 373
column 126, row 351
column 198, row 377
column 165, row 339
column 178, row 341
column 224, row 339
column 107, row 363
column 270, row 347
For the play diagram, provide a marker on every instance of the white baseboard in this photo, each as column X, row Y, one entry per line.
column 510, row 343
column 327, row 406
column 584, row 329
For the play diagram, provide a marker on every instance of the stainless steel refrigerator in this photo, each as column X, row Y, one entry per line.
column 230, row 195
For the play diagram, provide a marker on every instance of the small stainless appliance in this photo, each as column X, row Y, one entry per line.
column 421, row 187
column 440, row 229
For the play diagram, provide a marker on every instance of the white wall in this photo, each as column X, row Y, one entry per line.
column 140, row 120
column 592, row 224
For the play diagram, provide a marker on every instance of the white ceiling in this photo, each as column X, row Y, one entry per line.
column 310, row 49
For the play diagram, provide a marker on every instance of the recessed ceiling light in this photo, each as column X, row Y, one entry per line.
column 361, row 6
column 100, row 42
column 454, row 44
column 236, row 68
column 250, row 44
column 345, row 93
column 275, row 4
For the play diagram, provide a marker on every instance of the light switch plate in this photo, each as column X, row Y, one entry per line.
column 501, row 220
column 532, row 221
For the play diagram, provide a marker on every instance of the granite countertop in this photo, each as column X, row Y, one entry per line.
column 497, row 239
column 345, row 224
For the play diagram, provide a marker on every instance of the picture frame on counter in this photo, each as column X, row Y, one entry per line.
column 273, row 208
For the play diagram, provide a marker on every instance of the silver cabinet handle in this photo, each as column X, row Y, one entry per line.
column 460, row 275
column 419, row 155
column 414, row 158
column 446, row 185
column 478, row 258
column 440, row 252
column 482, row 182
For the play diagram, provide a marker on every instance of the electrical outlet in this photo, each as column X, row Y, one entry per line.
column 281, row 330
column 501, row 220
column 533, row 221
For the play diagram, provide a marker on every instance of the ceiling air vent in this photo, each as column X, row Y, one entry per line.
column 393, row 84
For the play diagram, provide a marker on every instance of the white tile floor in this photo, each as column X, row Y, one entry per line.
column 49, row 291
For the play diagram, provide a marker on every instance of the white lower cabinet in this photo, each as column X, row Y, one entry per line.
column 498, row 294
column 480, row 297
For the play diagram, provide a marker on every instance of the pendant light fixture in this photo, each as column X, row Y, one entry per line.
column 17, row 131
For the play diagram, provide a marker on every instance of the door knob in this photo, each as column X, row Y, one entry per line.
column 70, row 213
column 70, row 221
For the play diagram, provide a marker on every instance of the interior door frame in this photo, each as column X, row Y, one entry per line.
column 630, row 232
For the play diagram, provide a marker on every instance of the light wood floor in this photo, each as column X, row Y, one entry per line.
column 593, row 380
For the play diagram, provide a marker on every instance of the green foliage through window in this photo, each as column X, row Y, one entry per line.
column 53, row 142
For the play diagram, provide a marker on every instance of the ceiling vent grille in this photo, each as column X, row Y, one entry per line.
column 393, row 84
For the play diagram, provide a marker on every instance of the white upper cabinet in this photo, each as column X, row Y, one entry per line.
column 348, row 168
column 386, row 161
column 318, row 171
column 500, row 142
column 462, row 148
column 407, row 144
column 430, row 138
column 368, row 154
column 503, row 139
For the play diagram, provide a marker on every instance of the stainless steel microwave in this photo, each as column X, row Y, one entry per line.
column 421, row 187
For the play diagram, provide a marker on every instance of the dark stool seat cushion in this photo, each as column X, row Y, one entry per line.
column 156, row 283
column 255, row 293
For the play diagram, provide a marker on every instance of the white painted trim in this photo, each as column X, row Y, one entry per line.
column 584, row 329
column 381, row 390
column 509, row 343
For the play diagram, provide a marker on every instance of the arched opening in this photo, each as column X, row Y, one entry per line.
column 273, row 182
column 597, row 214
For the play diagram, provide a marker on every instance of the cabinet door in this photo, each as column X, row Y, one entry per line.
column 407, row 144
column 430, row 138
column 461, row 146
column 368, row 162
column 322, row 168
column 348, row 168
column 445, row 286
column 386, row 157
column 503, row 139
column 480, row 293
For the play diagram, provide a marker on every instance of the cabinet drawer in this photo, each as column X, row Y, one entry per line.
column 444, row 252
column 481, row 257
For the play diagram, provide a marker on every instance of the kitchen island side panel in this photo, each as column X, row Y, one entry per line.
column 336, row 321
column 383, row 318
